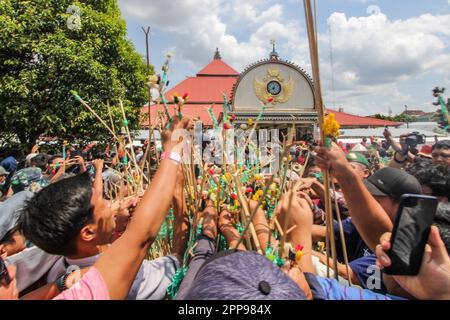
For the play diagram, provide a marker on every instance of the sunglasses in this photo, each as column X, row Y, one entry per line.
column 5, row 279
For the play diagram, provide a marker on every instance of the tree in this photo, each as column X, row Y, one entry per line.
column 397, row 118
column 45, row 53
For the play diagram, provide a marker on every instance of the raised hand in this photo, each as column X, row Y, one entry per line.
column 433, row 280
column 332, row 158
column 35, row 148
column 98, row 165
column 227, row 228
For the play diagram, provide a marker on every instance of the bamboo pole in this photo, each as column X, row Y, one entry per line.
column 131, row 143
column 312, row 38
column 341, row 233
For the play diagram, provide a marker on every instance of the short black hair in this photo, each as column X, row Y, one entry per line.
column 40, row 161
column 53, row 218
column 53, row 157
column 434, row 176
column 442, row 222
column 443, row 144
column 7, row 238
column 418, row 169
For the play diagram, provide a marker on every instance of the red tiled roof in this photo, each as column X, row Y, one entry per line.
column 204, row 90
column 218, row 68
column 346, row 119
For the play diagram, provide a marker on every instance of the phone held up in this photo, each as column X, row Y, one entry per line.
column 410, row 234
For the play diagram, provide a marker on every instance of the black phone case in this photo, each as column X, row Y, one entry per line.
column 397, row 253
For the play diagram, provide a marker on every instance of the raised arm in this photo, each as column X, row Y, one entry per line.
column 181, row 220
column 120, row 263
column 368, row 216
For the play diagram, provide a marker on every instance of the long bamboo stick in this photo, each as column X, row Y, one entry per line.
column 312, row 38
column 341, row 233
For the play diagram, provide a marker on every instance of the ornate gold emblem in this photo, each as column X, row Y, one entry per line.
column 273, row 88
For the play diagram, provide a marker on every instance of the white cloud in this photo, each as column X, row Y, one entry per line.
column 381, row 51
column 199, row 26
column 247, row 13
column 373, row 55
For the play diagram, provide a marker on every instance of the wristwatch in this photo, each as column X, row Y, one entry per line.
column 172, row 156
column 61, row 282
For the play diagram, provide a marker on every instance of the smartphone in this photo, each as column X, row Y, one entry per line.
column 410, row 234
column 74, row 154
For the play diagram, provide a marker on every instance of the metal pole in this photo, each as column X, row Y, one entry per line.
column 406, row 114
column 147, row 32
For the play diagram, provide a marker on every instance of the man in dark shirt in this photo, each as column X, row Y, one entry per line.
column 386, row 186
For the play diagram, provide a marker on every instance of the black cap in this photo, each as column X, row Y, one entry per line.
column 391, row 182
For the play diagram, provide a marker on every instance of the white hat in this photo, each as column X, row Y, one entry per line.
column 29, row 157
column 3, row 172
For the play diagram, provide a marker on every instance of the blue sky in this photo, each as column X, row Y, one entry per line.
column 387, row 54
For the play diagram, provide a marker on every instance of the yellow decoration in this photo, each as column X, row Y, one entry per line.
column 258, row 194
column 298, row 256
column 287, row 88
column 250, row 122
column 331, row 126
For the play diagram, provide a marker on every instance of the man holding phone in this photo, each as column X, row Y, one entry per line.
column 433, row 280
column 412, row 226
column 372, row 203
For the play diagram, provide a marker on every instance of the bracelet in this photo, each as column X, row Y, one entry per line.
column 398, row 161
column 61, row 282
column 172, row 156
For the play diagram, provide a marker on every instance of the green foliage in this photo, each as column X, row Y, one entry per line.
column 42, row 59
column 397, row 118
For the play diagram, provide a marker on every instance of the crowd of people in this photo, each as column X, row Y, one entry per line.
column 88, row 224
